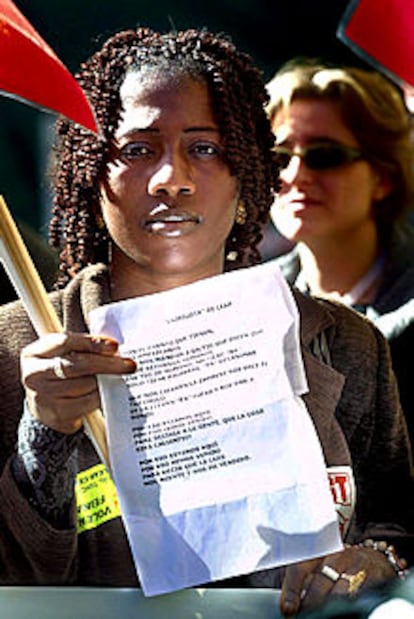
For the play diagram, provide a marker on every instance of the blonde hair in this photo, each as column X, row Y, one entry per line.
column 372, row 108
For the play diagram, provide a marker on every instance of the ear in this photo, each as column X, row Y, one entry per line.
column 382, row 185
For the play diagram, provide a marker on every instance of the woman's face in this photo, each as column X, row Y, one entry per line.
column 168, row 199
column 313, row 205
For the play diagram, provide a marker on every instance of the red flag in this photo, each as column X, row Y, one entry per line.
column 30, row 70
column 382, row 32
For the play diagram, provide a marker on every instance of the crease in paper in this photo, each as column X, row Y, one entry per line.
column 217, row 464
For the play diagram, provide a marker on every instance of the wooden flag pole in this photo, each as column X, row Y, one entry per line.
column 29, row 287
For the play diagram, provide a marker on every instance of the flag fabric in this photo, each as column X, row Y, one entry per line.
column 31, row 71
column 382, row 32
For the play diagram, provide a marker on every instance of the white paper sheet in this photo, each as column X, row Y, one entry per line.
column 216, row 461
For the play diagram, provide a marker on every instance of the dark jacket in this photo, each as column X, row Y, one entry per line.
column 352, row 401
column 392, row 311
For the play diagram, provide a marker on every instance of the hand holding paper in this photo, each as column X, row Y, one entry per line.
column 211, row 476
column 30, row 289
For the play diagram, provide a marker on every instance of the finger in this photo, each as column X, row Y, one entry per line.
column 293, row 585
column 80, row 364
column 319, row 586
column 74, row 365
column 61, row 344
column 328, row 578
column 59, row 391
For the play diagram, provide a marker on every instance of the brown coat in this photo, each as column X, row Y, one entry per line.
column 352, row 400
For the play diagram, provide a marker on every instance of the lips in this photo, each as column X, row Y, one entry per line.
column 301, row 201
column 170, row 222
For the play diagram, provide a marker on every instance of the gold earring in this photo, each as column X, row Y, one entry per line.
column 100, row 222
column 241, row 214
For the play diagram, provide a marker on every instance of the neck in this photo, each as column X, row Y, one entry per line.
column 129, row 280
column 334, row 268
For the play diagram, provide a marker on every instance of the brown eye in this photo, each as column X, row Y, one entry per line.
column 206, row 150
column 135, row 150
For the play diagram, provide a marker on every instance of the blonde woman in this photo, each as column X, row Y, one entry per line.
column 344, row 147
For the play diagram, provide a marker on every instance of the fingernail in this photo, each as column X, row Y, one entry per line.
column 129, row 365
column 105, row 345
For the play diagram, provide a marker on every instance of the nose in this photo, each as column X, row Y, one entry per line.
column 171, row 177
column 295, row 171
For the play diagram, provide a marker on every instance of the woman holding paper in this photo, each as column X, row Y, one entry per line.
column 175, row 190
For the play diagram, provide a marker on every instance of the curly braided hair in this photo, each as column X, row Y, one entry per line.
column 238, row 97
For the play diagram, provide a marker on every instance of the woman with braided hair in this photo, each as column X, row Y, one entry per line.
column 236, row 108
column 177, row 188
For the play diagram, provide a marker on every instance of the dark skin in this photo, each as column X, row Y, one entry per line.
column 169, row 203
column 307, row 577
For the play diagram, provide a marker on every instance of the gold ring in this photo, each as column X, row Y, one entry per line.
column 58, row 368
column 330, row 573
column 355, row 580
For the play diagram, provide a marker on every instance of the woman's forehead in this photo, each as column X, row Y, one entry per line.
column 150, row 76
column 141, row 84
column 149, row 103
column 307, row 118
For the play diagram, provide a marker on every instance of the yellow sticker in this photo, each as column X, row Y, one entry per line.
column 96, row 498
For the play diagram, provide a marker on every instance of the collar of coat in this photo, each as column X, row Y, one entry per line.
column 91, row 288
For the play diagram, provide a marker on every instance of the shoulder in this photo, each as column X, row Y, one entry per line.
column 399, row 322
column 89, row 289
column 361, row 354
column 357, row 348
column 16, row 328
column 91, row 281
column 289, row 264
column 343, row 326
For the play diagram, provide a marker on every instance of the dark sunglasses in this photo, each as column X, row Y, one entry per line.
column 318, row 156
